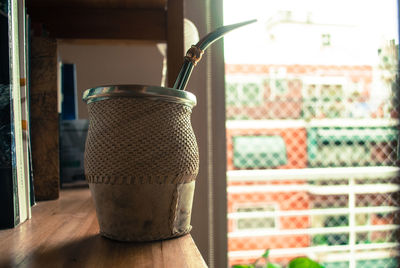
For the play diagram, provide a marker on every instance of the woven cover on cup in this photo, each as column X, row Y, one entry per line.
column 139, row 140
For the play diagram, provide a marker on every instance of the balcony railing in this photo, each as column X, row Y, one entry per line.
column 348, row 183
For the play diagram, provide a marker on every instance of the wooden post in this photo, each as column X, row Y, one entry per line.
column 44, row 118
column 175, row 39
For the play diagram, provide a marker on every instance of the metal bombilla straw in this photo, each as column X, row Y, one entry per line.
column 193, row 55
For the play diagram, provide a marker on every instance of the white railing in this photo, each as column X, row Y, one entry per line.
column 378, row 188
column 314, row 174
column 310, row 212
column 327, row 253
column 314, row 231
column 299, row 183
column 295, row 123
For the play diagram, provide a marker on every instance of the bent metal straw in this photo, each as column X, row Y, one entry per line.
column 193, row 55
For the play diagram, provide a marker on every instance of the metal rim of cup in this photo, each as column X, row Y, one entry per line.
column 139, row 91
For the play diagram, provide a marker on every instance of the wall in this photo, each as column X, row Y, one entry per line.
column 110, row 63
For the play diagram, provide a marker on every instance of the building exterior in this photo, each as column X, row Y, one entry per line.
column 309, row 173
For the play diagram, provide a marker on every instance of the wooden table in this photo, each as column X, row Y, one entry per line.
column 65, row 233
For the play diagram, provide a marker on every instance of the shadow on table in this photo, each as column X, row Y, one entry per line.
column 93, row 251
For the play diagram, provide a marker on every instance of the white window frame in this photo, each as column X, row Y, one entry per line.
column 275, row 74
column 319, row 82
column 241, row 80
column 237, row 215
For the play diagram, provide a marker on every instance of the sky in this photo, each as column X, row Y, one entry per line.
column 375, row 20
